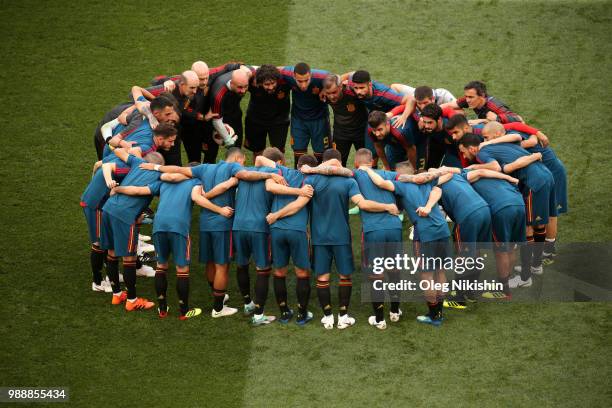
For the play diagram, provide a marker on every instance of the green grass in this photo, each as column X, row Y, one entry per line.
column 65, row 64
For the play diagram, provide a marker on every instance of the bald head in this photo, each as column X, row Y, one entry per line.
column 493, row 130
column 240, row 81
column 188, row 83
column 199, row 67
column 201, row 70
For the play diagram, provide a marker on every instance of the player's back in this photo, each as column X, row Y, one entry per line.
column 413, row 196
column 496, row 192
column 329, row 209
column 534, row 176
column 174, row 209
column 459, row 199
column 299, row 220
column 126, row 207
column 372, row 221
column 253, row 203
column 97, row 190
column 214, row 174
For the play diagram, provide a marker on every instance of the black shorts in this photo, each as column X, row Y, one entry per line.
column 344, row 147
column 256, row 133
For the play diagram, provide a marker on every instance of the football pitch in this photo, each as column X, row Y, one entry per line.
column 66, row 63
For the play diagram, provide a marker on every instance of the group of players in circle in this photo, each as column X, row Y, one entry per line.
column 496, row 177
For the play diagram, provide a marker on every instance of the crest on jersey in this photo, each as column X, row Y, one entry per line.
column 281, row 95
column 350, row 107
column 315, row 90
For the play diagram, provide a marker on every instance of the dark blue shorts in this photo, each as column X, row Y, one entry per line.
column 476, row 228
column 323, row 255
column 395, row 154
column 93, row 216
column 215, row 246
column 317, row 132
column 290, row 243
column 541, row 204
column 178, row 245
column 433, row 254
column 257, row 244
column 508, row 227
column 381, row 243
column 119, row 236
column 559, row 173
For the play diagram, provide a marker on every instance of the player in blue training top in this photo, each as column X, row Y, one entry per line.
column 288, row 221
column 419, row 201
column 92, row 200
column 252, row 233
column 537, row 186
column 331, row 234
column 472, row 225
column 379, row 229
column 532, row 141
column 309, row 114
column 251, row 238
column 216, row 229
column 162, row 110
column 393, row 145
column 376, row 96
column 119, row 234
column 171, row 237
column 499, row 190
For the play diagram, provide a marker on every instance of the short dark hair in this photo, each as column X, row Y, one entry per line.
column 423, row 92
column 479, row 86
column 267, row 72
column 331, row 154
column 165, row 130
column 432, row 111
column 361, row 76
column 308, row 160
column 375, row 118
column 273, row 153
column 405, row 165
column 363, row 154
column 233, row 151
column 455, row 120
column 470, row 139
column 301, row 68
column 163, row 101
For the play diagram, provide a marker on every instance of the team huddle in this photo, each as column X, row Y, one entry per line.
column 495, row 178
